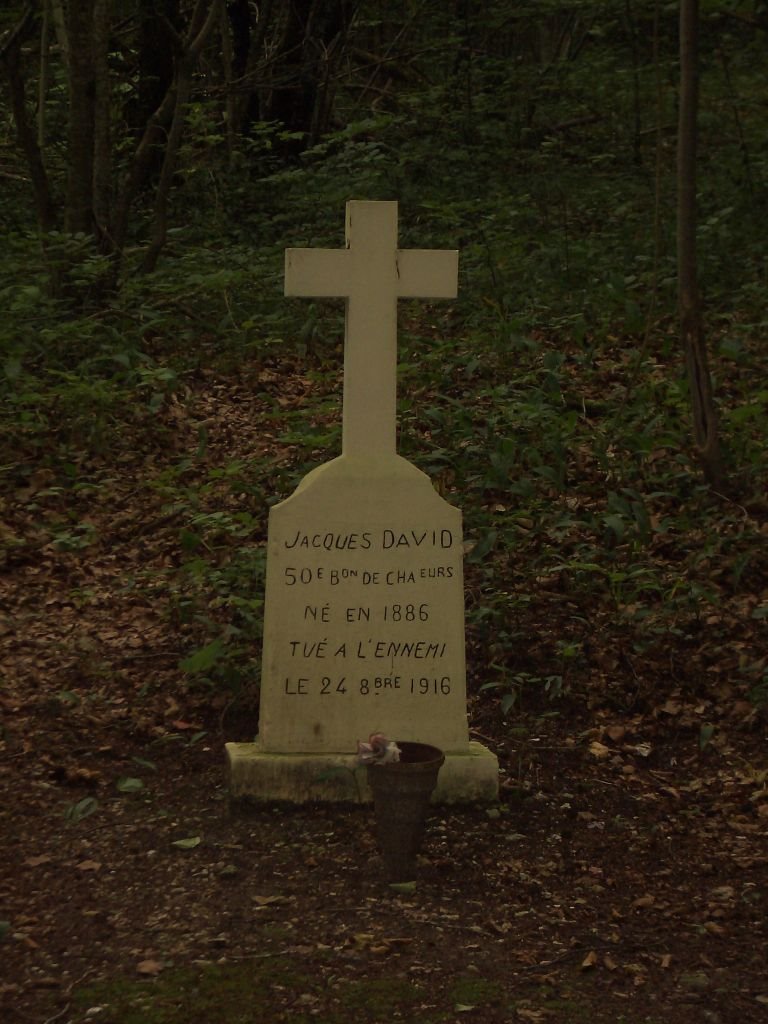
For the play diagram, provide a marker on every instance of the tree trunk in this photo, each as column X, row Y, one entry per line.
column 138, row 171
column 102, row 143
column 78, row 215
column 42, row 86
column 189, row 50
column 248, row 55
column 59, row 27
column 184, row 67
column 157, row 21
column 228, row 61
column 705, row 428
column 311, row 46
column 10, row 57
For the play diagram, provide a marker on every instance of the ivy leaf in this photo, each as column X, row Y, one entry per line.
column 508, row 702
column 403, row 886
column 705, row 735
column 187, row 844
column 127, row 785
column 203, row 658
column 616, row 525
column 82, row 809
column 12, row 369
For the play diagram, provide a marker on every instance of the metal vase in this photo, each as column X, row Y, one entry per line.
column 401, row 794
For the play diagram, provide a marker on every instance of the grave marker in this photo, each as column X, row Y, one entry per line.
column 364, row 611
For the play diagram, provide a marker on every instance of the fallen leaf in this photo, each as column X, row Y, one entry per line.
column 266, row 901
column 462, row 1008
column 644, row 901
column 723, row 892
column 589, row 961
column 76, row 775
column 35, row 862
column 641, row 749
column 714, row 928
column 695, row 980
column 149, row 968
column 599, row 750
column 501, row 928
column 671, row 707
column 89, row 865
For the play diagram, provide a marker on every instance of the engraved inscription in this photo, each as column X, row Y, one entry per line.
column 402, row 646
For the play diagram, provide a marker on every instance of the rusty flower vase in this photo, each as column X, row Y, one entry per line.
column 401, row 795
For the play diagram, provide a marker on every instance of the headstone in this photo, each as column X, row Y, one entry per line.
column 364, row 610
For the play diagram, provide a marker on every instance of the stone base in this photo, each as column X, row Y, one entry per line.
column 257, row 777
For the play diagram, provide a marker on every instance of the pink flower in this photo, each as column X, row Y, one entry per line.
column 378, row 750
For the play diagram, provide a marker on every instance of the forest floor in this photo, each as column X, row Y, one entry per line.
column 623, row 877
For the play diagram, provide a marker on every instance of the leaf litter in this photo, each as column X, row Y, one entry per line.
column 625, row 868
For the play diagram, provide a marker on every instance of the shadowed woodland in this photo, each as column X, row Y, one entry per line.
column 595, row 401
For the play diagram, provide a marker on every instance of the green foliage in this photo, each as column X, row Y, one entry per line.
column 81, row 809
column 222, row 596
column 230, row 991
column 758, row 692
column 547, row 401
column 129, row 785
column 515, row 686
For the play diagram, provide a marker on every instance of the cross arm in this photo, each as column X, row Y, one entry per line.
column 316, row 272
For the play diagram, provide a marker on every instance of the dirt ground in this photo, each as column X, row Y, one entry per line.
column 595, row 894
column 623, row 877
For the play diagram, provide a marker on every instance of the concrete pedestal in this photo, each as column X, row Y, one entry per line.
column 257, row 777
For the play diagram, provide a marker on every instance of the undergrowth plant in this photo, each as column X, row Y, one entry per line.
column 547, row 401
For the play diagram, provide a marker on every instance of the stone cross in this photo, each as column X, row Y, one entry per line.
column 364, row 605
column 371, row 274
